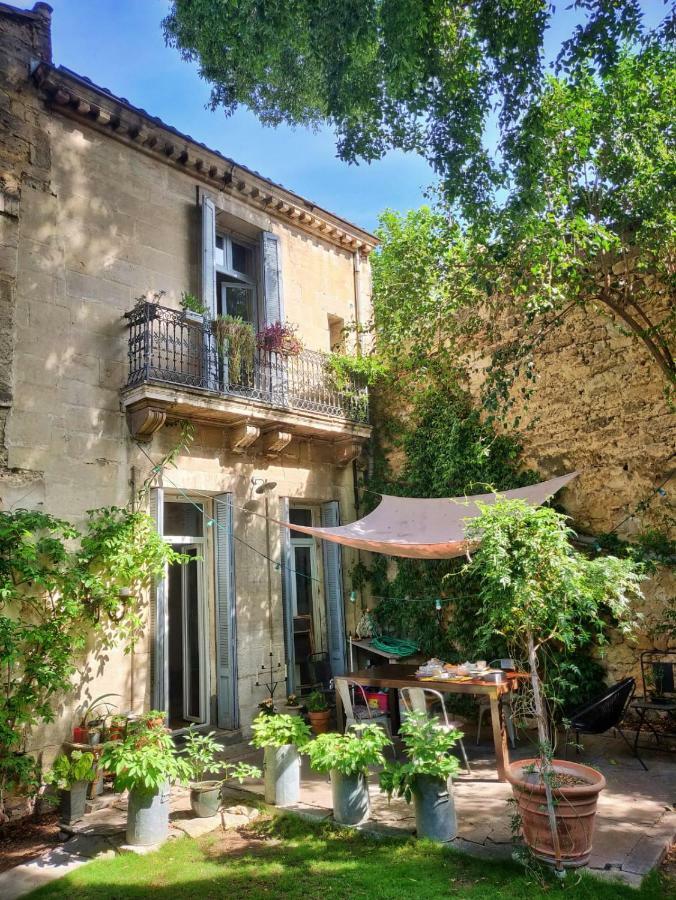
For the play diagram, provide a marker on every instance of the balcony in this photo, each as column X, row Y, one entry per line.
column 178, row 370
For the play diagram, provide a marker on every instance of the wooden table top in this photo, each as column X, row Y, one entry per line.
column 399, row 675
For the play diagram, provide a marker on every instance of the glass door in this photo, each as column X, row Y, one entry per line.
column 192, row 628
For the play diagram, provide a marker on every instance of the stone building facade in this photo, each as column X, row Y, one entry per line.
column 101, row 204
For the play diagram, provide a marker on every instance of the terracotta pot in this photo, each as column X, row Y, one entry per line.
column 575, row 811
column 320, row 721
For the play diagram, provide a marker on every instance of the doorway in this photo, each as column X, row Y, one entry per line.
column 187, row 620
column 307, row 600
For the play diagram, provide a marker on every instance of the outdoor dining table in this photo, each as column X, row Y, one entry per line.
column 392, row 677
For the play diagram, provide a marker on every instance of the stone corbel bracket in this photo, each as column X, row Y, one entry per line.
column 143, row 423
column 346, row 452
column 274, row 442
column 242, row 436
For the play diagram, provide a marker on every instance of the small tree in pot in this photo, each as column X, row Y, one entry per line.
column 536, row 590
column 71, row 775
column 426, row 777
column 146, row 763
column 347, row 757
column 200, row 752
column 281, row 737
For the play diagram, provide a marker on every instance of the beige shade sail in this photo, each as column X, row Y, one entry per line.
column 424, row 529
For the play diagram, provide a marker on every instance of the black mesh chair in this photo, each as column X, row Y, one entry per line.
column 604, row 712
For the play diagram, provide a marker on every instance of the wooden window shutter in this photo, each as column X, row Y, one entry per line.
column 159, row 616
column 226, row 622
column 287, row 596
column 272, row 278
column 333, row 585
column 208, row 255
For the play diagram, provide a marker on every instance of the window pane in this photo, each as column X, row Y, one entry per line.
column 239, row 302
column 300, row 517
column 182, row 519
column 241, row 259
column 219, row 254
column 303, row 572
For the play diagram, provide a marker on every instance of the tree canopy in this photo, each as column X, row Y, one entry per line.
column 409, row 74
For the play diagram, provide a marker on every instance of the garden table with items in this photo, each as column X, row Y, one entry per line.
column 394, row 676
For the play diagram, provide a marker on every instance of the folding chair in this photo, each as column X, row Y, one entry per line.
column 415, row 700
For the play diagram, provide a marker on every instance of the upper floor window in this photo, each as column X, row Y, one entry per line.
column 236, row 281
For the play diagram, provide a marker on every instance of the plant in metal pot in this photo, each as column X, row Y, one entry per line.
column 71, row 775
column 426, row 776
column 146, row 763
column 281, row 737
column 318, row 711
column 201, row 753
column 92, row 719
column 538, row 592
column 348, row 757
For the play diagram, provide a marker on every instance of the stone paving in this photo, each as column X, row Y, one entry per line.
column 635, row 824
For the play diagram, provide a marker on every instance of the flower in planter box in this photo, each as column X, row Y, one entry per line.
column 280, row 337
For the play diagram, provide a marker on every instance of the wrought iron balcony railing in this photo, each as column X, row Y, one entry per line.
column 167, row 346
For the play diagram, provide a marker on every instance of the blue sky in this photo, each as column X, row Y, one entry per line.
column 119, row 45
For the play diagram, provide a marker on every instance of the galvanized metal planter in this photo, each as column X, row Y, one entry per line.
column 435, row 817
column 205, row 798
column 148, row 817
column 351, row 803
column 73, row 804
column 281, row 767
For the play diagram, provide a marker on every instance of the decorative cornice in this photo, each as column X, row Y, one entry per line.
column 113, row 116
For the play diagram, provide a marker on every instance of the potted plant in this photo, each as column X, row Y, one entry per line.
column 117, row 728
column 193, row 308
column 71, row 775
column 280, row 337
column 267, row 707
column 146, row 763
column 426, row 776
column 200, row 752
column 537, row 591
column 281, row 737
column 236, row 342
column 318, row 712
column 292, row 705
column 347, row 758
column 92, row 720
column 153, row 719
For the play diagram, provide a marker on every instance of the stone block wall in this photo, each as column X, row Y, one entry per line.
column 599, row 407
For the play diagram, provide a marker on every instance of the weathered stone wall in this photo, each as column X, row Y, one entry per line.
column 599, row 408
column 93, row 224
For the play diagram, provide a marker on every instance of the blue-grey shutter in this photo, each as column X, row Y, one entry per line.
column 333, row 586
column 159, row 616
column 226, row 624
column 287, row 596
column 208, row 255
column 272, row 278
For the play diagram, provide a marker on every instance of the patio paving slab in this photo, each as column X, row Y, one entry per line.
column 635, row 823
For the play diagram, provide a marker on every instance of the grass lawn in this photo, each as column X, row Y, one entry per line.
column 287, row 857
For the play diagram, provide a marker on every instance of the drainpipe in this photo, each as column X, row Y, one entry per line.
column 356, row 256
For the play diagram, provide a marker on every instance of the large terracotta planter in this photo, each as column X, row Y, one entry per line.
column 319, row 721
column 575, row 811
